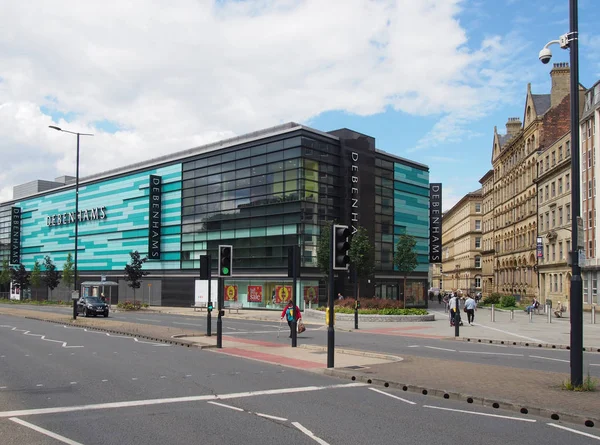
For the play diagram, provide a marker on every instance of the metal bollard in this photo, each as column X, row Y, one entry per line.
column 493, row 313
column 512, row 315
column 531, row 316
column 593, row 314
column 549, row 312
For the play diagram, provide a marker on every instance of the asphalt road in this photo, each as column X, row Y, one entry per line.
column 65, row 385
column 543, row 359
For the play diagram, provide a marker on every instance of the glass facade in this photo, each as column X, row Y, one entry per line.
column 260, row 198
column 260, row 193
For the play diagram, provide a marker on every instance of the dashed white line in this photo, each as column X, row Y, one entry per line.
column 104, row 380
column 187, row 324
column 268, row 416
column 235, row 408
column 3, row 387
column 163, row 377
column 548, row 358
column 39, row 385
column 594, row 364
column 440, row 349
column 188, row 375
column 480, row 414
column 309, row 433
column 73, row 383
column 414, row 346
column 392, row 396
column 493, row 353
column 574, row 431
column 58, row 437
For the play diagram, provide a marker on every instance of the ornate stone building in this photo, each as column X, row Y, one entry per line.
column 462, row 245
column 590, row 141
column 487, row 244
column 515, row 164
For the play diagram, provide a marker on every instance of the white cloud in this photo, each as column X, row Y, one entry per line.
column 173, row 75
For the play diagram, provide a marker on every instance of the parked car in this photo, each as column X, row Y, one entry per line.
column 92, row 306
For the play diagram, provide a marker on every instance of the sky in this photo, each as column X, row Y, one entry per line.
column 429, row 79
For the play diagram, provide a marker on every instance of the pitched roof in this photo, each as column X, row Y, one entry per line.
column 541, row 102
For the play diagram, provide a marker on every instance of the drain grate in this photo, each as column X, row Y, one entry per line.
column 355, row 367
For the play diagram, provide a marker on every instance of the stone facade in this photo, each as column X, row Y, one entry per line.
column 487, row 253
column 462, row 245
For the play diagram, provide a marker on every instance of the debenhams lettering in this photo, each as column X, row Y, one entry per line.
column 62, row 219
column 354, row 191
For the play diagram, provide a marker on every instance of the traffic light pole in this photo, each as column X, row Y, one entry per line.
column 208, row 314
column 330, row 330
column 219, row 317
column 294, row 326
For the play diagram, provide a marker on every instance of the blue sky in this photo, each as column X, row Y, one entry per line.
column 428, row 79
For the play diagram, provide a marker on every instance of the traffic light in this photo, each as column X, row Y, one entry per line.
column 225, row 260
column 341, row 245
column 210, row 307
column 205, row 267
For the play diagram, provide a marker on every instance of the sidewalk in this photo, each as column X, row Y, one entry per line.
column 537, row 392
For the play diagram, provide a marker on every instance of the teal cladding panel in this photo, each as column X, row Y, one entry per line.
column 411, row 209
column 104, row 244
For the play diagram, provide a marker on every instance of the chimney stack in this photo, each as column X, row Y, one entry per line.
column 513, row 126
column 561, row 81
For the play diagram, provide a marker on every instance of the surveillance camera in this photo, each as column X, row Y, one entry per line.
column 545, row 55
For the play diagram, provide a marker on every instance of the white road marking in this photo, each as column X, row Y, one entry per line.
column 104, row 380
column 163, row 376
column 134, row 378
column 271, row 417
column 148, row 319
column 309, row 433
column 58, row 437
column 2, row 387
column 392, row 396
column 480, row 414
column 440, row 349
column 548, row 358
column 136, row 403
column 108, row 334
column 511, row 333
column 73, row 383
column 235, row 408
column 39, row 385
column 414, row 346
column 254, row 332
column 42, row 337
column 574, row 431
column 188, row 375
column 187, row 324
column 493, row 353
column 594, row 364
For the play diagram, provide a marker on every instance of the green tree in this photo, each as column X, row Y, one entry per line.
column 134, row 272
column 21, row 277
column 405, row 258
column 68, row 276
column 5, row 274
column 36, row 276
column 362, row 255
column 51, row 277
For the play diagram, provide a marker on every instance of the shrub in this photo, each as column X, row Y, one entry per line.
column 492, row 299
column 129, row 305
column 508, row 301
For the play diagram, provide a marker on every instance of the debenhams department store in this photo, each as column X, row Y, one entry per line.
column 260, row 192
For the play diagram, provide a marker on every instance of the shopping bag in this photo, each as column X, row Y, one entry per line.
column 301, row 327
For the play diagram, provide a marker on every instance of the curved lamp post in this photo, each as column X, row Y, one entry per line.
column 75, row 287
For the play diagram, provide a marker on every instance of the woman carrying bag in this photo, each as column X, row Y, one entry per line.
column 288, row 313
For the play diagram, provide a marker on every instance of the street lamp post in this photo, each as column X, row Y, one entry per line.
column 75, row 285
column 570, row 40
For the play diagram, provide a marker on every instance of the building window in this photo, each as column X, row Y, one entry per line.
column 548, row 220
column 553, row 218
column 590, row 219
column 547, row 162
column 478, row 282
column 560, row 281
column 567, row 149
column 541, row 223
column 477, row 242
column 477, row 208
column 553, row 158
column 555, row 283
column 589, row 189
column 553, row 252
column 567, row 182
column 478, row 262
column 560, row 251
column 560, row 216
column 568, row 208
column 589, row 156
column 560, row 190
column 553, row 185
column 546, row 189
column 477, row 224
column 560, row 153
column 594, row 288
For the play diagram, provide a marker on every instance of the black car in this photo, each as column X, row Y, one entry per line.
column 92, row 306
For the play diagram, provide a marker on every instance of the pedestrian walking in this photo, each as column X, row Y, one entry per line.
column 288, row 313
column 470, row 306
column 454, row 306
column 340, row 296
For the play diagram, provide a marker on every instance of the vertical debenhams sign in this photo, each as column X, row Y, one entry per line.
column 435, row 222
column 155, row 211
column 15, row 235
column 354, row 191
